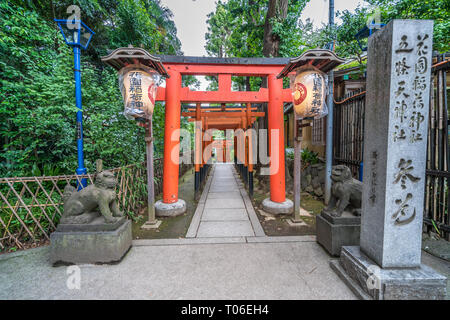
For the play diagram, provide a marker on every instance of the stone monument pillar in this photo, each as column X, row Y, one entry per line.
column 387, row 265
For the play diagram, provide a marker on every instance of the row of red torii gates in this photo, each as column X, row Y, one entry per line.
column 174, row 95
column 223, row 117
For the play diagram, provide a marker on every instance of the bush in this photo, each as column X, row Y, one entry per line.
column 308, row 156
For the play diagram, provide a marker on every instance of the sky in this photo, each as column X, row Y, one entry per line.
column 190, row 19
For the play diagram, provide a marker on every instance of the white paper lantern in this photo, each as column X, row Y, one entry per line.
column 308, row 93
column 138, row 85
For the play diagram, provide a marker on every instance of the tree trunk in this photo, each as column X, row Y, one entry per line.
column 271, row 42
column 247, row 84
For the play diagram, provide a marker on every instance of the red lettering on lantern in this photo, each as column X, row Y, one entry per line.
column 299, row 87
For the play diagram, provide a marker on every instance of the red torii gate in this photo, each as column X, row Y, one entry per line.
column 173, row 68
column 223, row 118
column 174, row 95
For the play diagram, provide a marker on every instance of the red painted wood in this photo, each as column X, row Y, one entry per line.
column 171, row 146
column 188, row 96
column 220, row 114
column 275, row 96
column 276, row 122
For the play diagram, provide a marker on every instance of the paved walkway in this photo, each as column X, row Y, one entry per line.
column 196, row 268
column 226, row 256
column 224, row 209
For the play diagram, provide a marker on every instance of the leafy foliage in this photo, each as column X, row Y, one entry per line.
column 437, row 10
column 344, row 33
column 235, row 29
column 37, row 103
column 308, row 156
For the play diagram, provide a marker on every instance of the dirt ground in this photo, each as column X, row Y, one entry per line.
column 277, row 225
column 175, row 227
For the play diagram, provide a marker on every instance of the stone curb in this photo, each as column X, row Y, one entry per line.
column 221, row 240
column 11, row 255
column 257, row 228
column 196, row 219
column 281, row 239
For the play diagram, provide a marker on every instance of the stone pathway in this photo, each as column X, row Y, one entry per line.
column 195, row 268
column 224, row 209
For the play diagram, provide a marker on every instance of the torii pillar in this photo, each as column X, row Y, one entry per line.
column 277, row 203
column 171, row 205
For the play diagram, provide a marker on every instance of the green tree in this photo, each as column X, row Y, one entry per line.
column 344, row 33
column 437, row 10
column 254, row 28
column 37, row 104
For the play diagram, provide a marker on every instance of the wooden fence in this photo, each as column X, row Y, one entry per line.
column 437, row 196
column 348, row 138
column 30, row 207
column 348, row 131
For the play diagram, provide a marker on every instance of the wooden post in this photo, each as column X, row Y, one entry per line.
column 198, row 151
column 250, row 151
column 151, row 223
column 297, row 167
column 277, row 202
column 224, row 151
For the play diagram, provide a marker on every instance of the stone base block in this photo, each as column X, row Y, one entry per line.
column 170, row 209
column 272, row 207
column 335, row 232
column 151, row 225
column 300, row 223
column 368, row 281
column 76, row 247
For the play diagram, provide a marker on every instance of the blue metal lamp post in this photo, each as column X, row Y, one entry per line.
column 77, row 35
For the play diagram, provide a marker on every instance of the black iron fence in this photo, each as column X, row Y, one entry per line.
column 348, row 137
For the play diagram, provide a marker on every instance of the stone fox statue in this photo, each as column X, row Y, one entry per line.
column 98, row 199
column 346, row 192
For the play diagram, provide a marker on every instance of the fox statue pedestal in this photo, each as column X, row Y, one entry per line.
column 335, row 232
column 339, row 224
column 92, row 228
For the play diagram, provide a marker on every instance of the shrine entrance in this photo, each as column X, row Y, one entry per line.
column 224, row 110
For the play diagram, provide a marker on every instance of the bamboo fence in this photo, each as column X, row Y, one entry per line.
column 30, row 207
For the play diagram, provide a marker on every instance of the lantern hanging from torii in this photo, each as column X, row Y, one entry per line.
column 309, row 82
column 308, row 92
column 139, row 76
column 138, row 85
